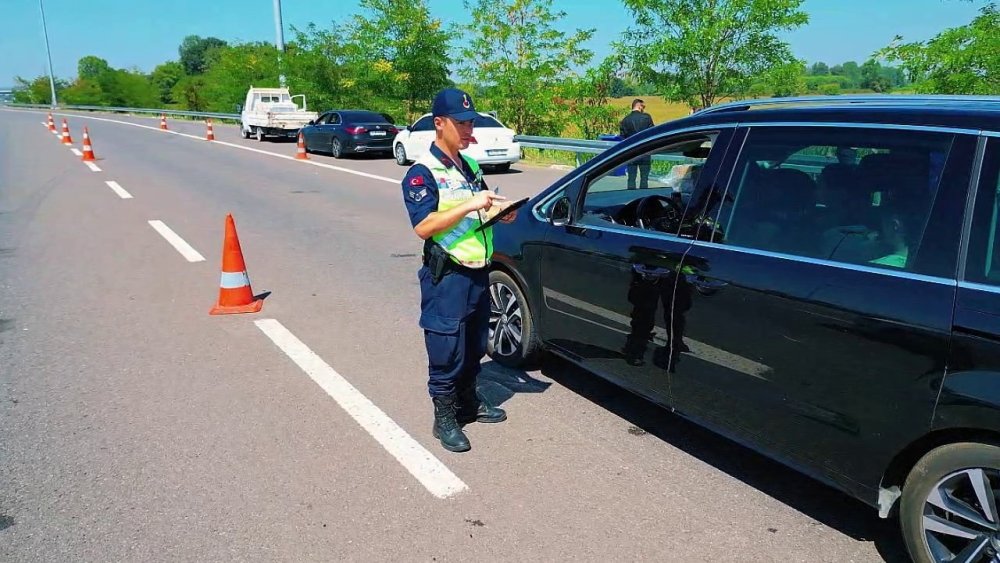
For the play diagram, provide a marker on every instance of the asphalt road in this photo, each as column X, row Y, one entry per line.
column 134, row 426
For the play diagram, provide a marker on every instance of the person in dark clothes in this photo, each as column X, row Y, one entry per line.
column 634, row 122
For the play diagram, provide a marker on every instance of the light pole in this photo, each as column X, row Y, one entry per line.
column 48, row 53
column 279, row 40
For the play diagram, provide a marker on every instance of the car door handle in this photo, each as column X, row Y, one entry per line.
column 651, row 271
column 704, row 284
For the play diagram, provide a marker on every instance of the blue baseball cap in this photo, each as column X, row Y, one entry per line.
column 454, row 103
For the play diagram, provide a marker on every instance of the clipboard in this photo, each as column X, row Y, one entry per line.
column 492, row 220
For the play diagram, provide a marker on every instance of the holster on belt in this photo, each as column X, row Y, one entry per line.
column 436, row 259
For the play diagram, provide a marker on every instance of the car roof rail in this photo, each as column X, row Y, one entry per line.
column 857, row 99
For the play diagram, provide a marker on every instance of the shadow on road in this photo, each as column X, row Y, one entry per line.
column 814, row 499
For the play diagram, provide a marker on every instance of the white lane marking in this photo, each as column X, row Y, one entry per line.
column 177, row 242
column 241, row 147
column 75, row 151
column 45, row 125
column 422, row 464
column 118, row 189
column 92, row 166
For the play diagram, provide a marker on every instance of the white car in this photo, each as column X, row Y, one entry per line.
column 492, row 145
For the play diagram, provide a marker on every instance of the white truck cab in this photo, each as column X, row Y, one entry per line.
column 272, row 112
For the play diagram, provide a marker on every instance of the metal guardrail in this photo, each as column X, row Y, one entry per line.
column 577, row 146
column 114, row 109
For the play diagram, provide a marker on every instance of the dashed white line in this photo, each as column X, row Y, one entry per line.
column 75, row 151
column 91, row 165
column 177, row 242
column 432, row 474
column 118, row 189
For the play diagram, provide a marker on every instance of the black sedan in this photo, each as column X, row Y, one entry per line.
column 341, row 132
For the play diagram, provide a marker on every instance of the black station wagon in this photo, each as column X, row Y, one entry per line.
column 816, row 278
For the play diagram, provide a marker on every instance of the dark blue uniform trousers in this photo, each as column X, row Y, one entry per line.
column 455, row 316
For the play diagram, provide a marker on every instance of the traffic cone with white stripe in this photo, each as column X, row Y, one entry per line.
column 300, row 153
column 163, row 121
column 235, row 295
column 52, row 123
column 66, row 139
column 210, row 135
column 88, row 151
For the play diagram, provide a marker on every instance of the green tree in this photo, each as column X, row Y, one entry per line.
column 873, row 78
column 233, row 69
column 195, row 51
column 91, row 67
column 399, row 53
column 698, row 51
column 164, row 77
column 37, row 90
column 586, row 99
column 519, row 58
column 786, row 79
column 853, row 74
column 960, row 60
column 315, row 65
column 819, row 69
column 84, row 92
column 189, row 93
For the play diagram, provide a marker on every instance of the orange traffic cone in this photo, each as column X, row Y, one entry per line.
column 210, row 135
column 66, row 139
column 88, row 151
column 52, row 123
column 163, row 121
column 235, row 295
column 300, row 153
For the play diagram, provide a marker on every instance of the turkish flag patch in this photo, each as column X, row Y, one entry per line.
column 417, row 181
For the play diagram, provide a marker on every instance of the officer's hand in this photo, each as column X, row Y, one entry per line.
column 508, row 218
column 484, row 200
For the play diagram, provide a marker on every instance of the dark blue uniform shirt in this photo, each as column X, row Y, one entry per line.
column 420, row 187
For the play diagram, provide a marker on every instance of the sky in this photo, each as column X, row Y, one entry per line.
column 142, row 33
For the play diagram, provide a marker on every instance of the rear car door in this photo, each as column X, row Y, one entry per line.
column 608, row 277
column 420, row 138
column 971, row 394
column 823, row 330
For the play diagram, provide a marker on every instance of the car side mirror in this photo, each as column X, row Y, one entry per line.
column 312, row 122
column 560, row 214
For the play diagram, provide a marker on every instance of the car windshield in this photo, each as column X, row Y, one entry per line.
column 363, row 117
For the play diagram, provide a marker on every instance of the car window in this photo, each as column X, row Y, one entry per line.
column 651, row 190
column 323, row 119
column 423, row 124
column 983, row 262
column 364, row 117
column 860, row 196
column 334, row 119
column 485, row 121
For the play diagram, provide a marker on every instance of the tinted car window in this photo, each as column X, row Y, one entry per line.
column 648, row 191
column 860, row 196
column 334, row 119
column 363, row 117
column 423, row 124
column 983, row 264
column 486, row 121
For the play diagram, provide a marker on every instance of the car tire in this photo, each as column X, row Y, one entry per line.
column 335, row 149
column 950, row 476
column 259, row 134
column 400, row 153
column 245, row 133
column 512, row 339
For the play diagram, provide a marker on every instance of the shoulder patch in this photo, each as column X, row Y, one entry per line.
column 417, row 195
column 417, row 180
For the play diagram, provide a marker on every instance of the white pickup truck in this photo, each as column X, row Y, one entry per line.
column 272, row 112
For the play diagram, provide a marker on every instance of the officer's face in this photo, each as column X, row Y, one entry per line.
column 455, row 133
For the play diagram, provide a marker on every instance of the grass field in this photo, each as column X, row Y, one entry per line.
column 659, row 109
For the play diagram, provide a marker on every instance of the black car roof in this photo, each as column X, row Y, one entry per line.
column 960, row 112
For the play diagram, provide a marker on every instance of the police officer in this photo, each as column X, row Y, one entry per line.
column 447, row 200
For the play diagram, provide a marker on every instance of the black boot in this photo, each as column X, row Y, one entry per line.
column 446, row 428
column 472, row 407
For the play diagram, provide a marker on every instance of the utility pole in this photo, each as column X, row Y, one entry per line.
column 279, row 41
column 48, row 53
